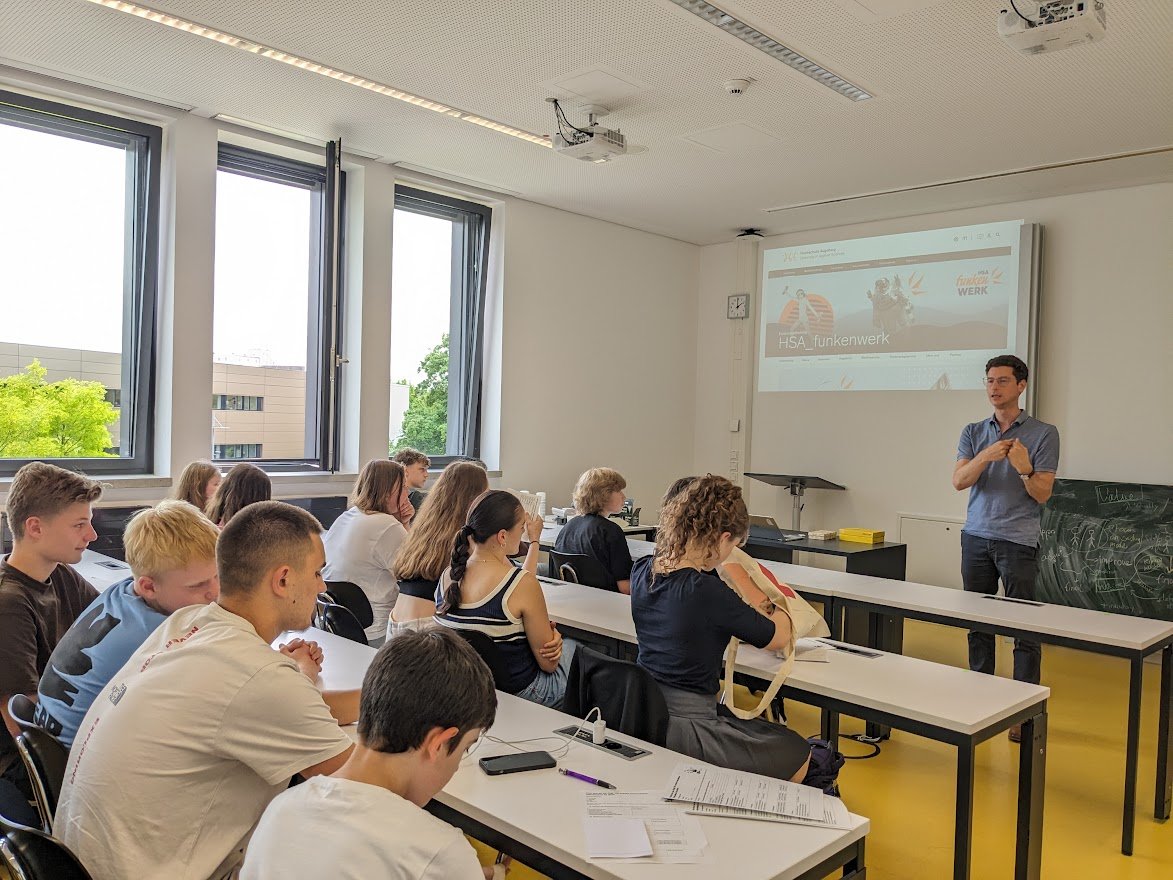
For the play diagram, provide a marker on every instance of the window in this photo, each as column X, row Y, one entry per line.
column 440, row 250
column 78, row 246
column 243, row 402
column 274, row 344
column 236, row 451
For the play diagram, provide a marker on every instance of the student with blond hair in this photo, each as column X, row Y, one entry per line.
column 198, row 483
column 684, row 618
column 428, row 548
column 362, row 544
column 171, row 550
column 598, row 494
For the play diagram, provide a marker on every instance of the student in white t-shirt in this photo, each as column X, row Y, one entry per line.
column 363, row 542
column 426, row 699
column 184, row 748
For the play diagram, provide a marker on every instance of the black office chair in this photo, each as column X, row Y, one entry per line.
column 628, row 697
column 488, row 652
column 23, row 712
column 353, row 599
column 338, row 620
column 29, row 854
column 581, row 569
column 44, row 758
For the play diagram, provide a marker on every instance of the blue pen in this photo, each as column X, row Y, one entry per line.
column 586, row 778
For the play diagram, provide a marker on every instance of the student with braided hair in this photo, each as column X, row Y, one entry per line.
column 684, row 617
column 482, row 591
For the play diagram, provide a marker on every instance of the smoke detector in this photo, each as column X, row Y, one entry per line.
column 736, row 86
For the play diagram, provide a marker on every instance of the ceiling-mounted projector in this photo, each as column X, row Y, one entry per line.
column 593, row 143
column 1036, row 26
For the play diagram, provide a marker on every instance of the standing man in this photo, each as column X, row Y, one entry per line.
column 1008, row 463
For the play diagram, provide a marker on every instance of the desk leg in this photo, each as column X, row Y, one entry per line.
column 1032, row 765
column 829, row 727
column 833, row 614
column 963, row 820
column 1164, row 798
column 1131, row 750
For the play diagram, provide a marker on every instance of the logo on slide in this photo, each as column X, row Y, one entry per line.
column 978, row 283
column 806, row 313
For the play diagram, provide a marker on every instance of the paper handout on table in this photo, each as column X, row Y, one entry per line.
column 835, row 814
column 811, row 651
column 675, row 837
column 612, row 838
column 697, row 783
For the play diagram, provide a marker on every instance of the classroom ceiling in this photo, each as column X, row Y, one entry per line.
column 951, row 100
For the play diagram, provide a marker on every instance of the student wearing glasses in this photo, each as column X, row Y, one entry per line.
column 1008, row 463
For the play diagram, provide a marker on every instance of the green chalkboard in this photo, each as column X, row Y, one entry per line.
column 1108, row 546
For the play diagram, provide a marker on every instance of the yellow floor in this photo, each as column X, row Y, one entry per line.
column 907, row 792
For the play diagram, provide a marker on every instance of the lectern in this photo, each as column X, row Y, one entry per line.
column 797, row 486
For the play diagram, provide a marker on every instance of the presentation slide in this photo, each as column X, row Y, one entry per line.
column 919, row 310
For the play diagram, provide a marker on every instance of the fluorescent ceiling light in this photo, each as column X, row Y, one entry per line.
column 747, row 34
column 313, row 67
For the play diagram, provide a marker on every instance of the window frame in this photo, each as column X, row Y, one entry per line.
column 472, row 225
column 140, row 277
column 325, row 296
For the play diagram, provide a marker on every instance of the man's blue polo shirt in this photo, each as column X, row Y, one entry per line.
column 1000, row 508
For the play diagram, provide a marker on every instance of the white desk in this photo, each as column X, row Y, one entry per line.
column 536, row 816
column 101, row 571
column 940, row 702
column 1097, row 632
column 550, row 531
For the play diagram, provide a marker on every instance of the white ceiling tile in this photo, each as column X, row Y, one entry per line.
column 736, row 138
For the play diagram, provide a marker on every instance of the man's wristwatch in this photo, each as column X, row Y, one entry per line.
column 1027, row 476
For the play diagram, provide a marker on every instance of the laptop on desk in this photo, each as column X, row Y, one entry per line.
column 764, row 528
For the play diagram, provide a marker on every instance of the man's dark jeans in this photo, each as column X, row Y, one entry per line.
column 983, row 562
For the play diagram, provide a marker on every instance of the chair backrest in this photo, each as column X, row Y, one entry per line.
column 581, row 569
column 353, row 599
column 338, row 620
column 44, row 758
column 628, row 698
column 23, row 711
column 29, row 854
column 488, row 652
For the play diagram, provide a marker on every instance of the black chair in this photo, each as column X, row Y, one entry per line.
column 628, row 697
column 23, row 712
column 338, row 620
column 488, row 652
column 353, row 599
column 29, row 854
column 581, row 569
column 44, row 758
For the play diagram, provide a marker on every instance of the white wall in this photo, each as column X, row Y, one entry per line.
column 592, row 325
column 1105, row 374
column 599, row 342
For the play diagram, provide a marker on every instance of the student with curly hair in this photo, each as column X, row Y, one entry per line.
column 482, row 591
column 598, row 494
column 684, row 617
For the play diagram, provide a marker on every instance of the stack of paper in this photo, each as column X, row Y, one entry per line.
column 614, row 821
column 716, row 792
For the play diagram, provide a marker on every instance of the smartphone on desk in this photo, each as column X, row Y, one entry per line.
column 517, row 763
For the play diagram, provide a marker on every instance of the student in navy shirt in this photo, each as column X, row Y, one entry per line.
column 1008, row 463
column 171, row 550
column 684, row 617
column 597, row 495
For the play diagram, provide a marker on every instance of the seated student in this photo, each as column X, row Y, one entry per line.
column 362, row 543
column 49, row 512
column 171, row 550
column 426, row 699
column 428, row 548
column 198, row 484
column 245, row 484
column 684, row 617
column 597, row 495
column 482, row 591
column 205, row 724
column 415, row 468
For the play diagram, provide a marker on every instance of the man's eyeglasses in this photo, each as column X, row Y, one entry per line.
column 1000, row 381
